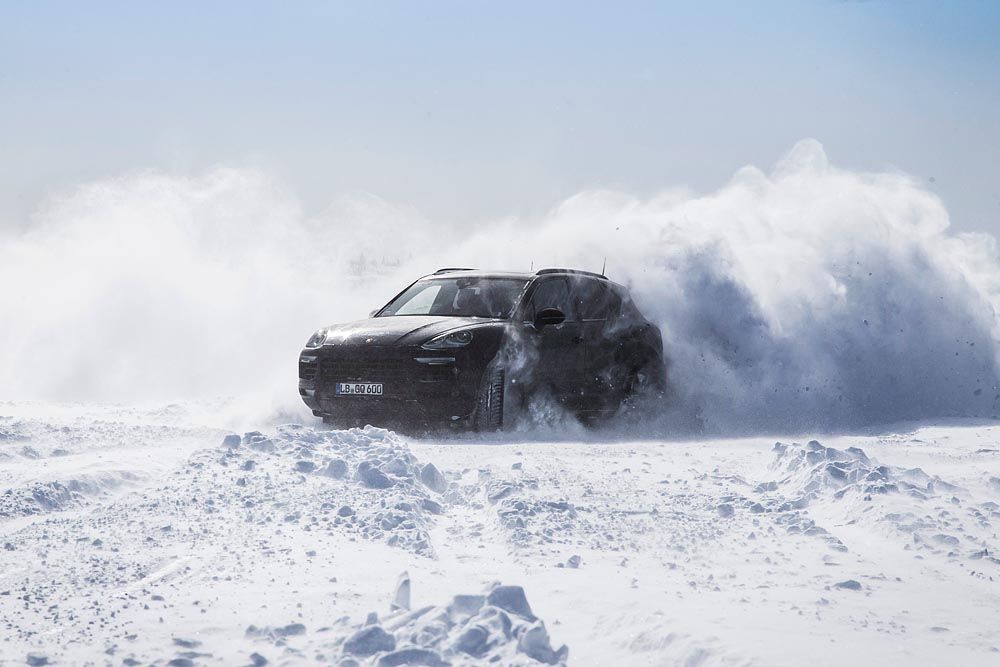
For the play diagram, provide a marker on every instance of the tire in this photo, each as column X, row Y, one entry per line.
column 646, row 382
column 488, row 415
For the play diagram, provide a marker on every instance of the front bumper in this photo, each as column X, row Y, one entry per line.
column 419, row 387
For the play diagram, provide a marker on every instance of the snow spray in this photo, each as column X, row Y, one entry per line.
column 807, row 297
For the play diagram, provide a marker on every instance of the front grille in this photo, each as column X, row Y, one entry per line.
column 397, row 370
column 366, row 369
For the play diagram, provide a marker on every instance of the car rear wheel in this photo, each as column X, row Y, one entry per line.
column 646, row 381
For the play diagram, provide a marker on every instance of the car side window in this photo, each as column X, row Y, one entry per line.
column 612, row 304
column 550, row 293
column 629, row 311
column 594, row 301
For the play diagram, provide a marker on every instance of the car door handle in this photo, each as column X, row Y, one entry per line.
column 577, row 339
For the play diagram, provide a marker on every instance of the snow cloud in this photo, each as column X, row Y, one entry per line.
column 807, row 297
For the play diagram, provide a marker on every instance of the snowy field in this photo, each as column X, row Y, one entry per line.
column 148, row 536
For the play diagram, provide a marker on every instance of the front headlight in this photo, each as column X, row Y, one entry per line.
column 449, row 341
column 317, row 339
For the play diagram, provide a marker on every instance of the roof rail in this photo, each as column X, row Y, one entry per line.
column 542, row 272
column 449, row 269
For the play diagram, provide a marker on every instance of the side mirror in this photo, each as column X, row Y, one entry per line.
column 547, row 316
column 374, row 312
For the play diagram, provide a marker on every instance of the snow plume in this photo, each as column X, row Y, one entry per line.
column 157, row 287
column 810, row 297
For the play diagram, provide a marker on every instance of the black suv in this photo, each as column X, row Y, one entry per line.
column 471, row 348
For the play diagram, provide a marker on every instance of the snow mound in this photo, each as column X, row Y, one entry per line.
column 51, row 436
column 811, row 469
column 54, row 466
column 494, row 627
column 55, row 496
column 933, row 514
column 529, row 513
column 365, row 481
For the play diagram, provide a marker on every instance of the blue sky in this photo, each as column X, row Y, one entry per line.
column 470, row 110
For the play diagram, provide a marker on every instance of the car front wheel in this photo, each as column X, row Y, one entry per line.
column 489, row 403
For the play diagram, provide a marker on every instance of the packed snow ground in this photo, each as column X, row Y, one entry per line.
column 148, row 536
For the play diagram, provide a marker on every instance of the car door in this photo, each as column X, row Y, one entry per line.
column 597, row 307
column 556, row 349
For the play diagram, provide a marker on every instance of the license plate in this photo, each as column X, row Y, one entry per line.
column 359, row 389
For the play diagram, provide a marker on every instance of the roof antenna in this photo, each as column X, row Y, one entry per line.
column 532, row 266
column 605, row 265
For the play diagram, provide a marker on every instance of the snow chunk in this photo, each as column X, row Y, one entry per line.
column 512, row 599
column 336, row 469
column 369, row 641
column 433, row 479
column 372, row 477
column 495, row 628
column 305, row 466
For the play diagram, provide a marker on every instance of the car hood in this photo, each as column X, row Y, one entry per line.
column 397, row 330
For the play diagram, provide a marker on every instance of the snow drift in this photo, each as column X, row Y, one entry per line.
column 808, row 297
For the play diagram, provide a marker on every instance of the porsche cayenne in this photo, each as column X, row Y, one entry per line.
column 478, row 349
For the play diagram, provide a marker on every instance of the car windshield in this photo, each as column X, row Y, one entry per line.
column 465, row 296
